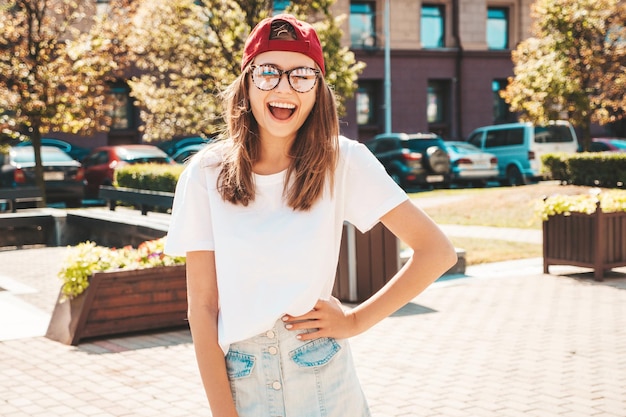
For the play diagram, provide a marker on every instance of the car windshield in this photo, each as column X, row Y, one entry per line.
column 463, row 148
column 25, row 154
column 420, row 144
column 552, row 134
column 136, row 156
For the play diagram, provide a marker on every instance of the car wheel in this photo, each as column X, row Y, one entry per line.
column 514, row 176
column 437, row 159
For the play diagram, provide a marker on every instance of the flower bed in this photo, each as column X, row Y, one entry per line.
column 118, row 291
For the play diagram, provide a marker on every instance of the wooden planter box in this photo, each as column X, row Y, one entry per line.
column 595, row 241
column 146, row 200
column 366, row 262
column 122, row 302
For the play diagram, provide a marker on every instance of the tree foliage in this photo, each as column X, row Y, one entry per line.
column 188, row 51
column 47, row 81
column 574, row 66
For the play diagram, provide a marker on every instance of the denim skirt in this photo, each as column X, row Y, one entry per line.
column 276, row 375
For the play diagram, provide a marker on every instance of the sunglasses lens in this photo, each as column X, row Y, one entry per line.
column 265, row 77
column 302, row 79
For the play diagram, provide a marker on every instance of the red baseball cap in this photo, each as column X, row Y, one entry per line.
column 306, row 42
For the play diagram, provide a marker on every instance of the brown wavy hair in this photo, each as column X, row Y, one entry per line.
column 314, row 152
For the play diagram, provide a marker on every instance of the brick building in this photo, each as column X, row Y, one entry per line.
column 448, row 60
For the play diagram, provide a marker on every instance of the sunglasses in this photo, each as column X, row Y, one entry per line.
column 266, row 77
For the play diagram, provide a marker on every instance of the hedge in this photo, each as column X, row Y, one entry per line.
column 153, row 177
column 600, row 169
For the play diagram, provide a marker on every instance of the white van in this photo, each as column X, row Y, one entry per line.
column 519, row 147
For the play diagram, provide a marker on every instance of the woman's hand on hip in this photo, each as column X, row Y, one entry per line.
column 326, row 319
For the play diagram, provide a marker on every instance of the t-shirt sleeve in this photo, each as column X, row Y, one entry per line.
column 190, row 226
column 370, row 191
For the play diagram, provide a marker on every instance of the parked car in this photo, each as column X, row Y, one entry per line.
column 470, row 165
column 62, row 175
column 418, row 159
column 519, row 147
column 99, row 166
column 75, row 151
column 171, row 147
column 608, row 145
column 183, row 154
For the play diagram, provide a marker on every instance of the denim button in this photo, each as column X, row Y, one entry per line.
column 276, row 385
column 273, row 350
column 270, row 334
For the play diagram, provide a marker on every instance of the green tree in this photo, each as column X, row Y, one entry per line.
column 188, row 51
column 573, row 66
column 47, row 82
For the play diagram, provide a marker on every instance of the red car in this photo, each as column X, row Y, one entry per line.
column 608, row 145
column 99, row 166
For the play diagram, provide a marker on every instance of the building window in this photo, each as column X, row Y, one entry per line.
column 432, row 26
column 438, row 107
column 280, row 6
column 501, row 112
column 122, row 108
column 362, row 24
column 497, row 28
column 436, row 101
column 367, row 103
column 102, row 7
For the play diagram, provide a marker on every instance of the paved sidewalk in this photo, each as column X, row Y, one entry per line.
column 502, row 341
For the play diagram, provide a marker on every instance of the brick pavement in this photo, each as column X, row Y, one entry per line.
column 506, row 341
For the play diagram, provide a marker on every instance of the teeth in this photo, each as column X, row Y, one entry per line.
column 283, row 105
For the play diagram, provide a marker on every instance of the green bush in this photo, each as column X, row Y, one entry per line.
column 554, row 166
column 602, row 169
column 599, row 169
column 153, row 177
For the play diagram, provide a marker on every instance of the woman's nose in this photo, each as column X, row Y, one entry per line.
column 283, row 83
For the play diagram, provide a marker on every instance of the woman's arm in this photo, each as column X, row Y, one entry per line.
column 203, row 308
column 433, row 255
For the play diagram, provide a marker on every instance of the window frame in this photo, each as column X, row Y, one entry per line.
column 501, row 111
column 125, row 112
column 441, row 42
column 441, row 90
column 366, row 40
column 371, row 89
column 503, row 44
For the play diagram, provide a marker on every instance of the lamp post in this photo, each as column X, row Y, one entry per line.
column 387, row 85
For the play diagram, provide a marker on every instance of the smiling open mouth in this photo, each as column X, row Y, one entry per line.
column 281, row 111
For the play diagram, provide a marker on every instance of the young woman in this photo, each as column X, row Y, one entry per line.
column 260, row 216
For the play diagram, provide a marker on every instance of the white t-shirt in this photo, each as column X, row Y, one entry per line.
column 272, row 260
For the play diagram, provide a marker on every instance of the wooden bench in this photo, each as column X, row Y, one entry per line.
column 146, row 200
column 13, row 196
